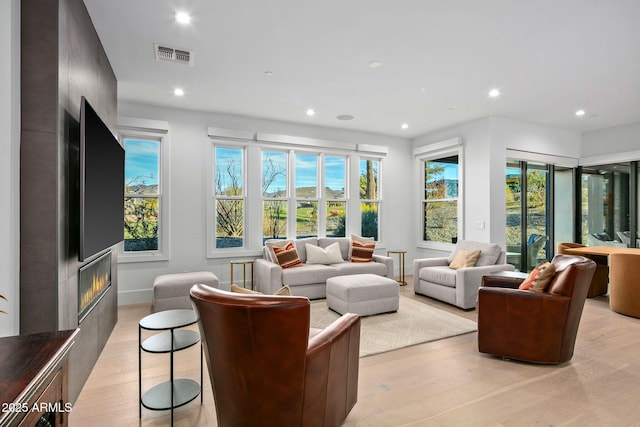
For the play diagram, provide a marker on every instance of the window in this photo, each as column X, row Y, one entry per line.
column 284, row 187
column 607, row 215
column 142, row 215
column 335, row 174
column 306, row 194
column 370, row 197
column 440, row 199
column 274, row 194
column 229, row 196
column 317, row 212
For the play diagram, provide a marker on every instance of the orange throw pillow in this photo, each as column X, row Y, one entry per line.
column 539, row 278
column 287, row 256
column 362, row 249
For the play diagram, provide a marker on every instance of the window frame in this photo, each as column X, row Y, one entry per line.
column 256, row 144
column 377, row 200
column 448, row 148
column 325, row 200
column 151, row 131
column 289, row 189
column 294, row 189
column 213, row 198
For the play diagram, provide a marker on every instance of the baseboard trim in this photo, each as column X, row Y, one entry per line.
column 135, row 297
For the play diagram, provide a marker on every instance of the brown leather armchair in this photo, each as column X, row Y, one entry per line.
column 624, row 292
column 531, row 326
column 600, row 281
column 267, row 367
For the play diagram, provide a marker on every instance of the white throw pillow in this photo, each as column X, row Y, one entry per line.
column 329, row 255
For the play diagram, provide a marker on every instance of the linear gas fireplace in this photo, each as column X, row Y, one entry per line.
column 94, row 280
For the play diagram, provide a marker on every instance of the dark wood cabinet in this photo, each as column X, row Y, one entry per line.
column 33, row 379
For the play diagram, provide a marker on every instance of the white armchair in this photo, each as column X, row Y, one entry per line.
column 434, row 278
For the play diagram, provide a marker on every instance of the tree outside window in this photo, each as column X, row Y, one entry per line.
column 274, row 194
column 229, row 197
column 369, row 197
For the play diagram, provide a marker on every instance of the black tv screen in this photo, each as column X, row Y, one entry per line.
column 101, row 185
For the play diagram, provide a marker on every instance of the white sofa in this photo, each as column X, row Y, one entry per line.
column 310, row 279
column 434, row 278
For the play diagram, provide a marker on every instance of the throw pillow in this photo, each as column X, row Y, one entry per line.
column 465, row 258
column 539, row 278
column 283, row 291
column 285, row 254
column 362, row 248
column 329, row 255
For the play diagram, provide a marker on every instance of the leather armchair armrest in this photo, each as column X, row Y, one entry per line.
column 501, row 281
column 475, row 275
column 331, row 383
column 332, row 332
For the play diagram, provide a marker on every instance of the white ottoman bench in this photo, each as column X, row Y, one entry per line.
column 171, row 291
column 363, row 294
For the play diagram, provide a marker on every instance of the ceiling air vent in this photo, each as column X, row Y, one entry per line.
column 171, row 54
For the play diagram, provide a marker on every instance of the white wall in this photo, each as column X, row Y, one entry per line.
column 618, row 139
column 475, row 138
column 529, row 138
column 9, row 166
column 189, row 148
column 485, row 154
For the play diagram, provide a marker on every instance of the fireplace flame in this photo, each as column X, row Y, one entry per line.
column 98, row 283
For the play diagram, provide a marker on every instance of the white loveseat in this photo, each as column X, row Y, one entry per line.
column 310, row 279
column 434, row 278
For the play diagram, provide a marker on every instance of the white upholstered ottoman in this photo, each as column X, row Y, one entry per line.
column 171, row 291
column 363, row 294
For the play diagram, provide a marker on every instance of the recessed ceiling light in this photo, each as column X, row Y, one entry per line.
column 183, row 18
column 375, row 64
column 344, row 117
column 178, row 92
column 311, row 112
column 580, row 113
column 494, row 93
column 268, row 73
column 405, row 126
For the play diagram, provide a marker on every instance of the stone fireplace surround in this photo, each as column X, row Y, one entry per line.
column 62, row 59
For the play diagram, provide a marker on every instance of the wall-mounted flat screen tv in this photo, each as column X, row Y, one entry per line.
column 101, row 185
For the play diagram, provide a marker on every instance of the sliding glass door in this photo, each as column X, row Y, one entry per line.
column 539, row 201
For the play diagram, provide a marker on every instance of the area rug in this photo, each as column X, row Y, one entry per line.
column 413, row 323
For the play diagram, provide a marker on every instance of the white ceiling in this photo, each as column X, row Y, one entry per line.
column 549, row 58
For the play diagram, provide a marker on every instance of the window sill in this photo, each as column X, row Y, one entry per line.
column 436, row 246
column 237, row 253
column 124, row 257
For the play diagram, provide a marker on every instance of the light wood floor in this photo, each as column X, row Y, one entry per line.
column 442, row 383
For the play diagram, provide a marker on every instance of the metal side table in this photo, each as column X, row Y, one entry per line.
column 243, row 263
column 174, row 393
column 401, row 280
